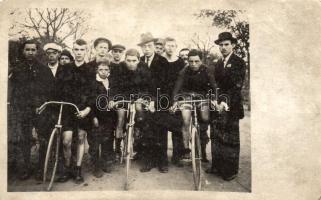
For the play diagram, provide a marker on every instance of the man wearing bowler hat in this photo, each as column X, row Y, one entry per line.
column 159, row 70
column 225, row 135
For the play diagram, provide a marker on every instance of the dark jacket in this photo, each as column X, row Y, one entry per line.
column 31, row 85
column 230, row 82
column 99, row 102
column 199, row 82
column 159, row 72
column 128, row 82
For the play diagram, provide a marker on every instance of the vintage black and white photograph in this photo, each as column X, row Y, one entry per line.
column 129, row 98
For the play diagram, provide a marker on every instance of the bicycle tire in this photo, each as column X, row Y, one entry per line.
column 128, row 155
column 196, row 158
column 49, row 156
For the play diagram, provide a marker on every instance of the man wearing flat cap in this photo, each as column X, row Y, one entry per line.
column 159, row 67
column 225, row 136
column 159, row 46
column 117, row 51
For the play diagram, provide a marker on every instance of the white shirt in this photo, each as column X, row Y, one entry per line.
column 227, row 58
column 53, row 68
column 150, row 59
column 105, row 82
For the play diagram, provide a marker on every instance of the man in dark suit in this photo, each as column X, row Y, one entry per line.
column 30, row 83
column 159, row 68
column 229, row 75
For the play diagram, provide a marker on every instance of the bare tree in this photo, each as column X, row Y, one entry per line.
column 54, row 24
column 205, row 44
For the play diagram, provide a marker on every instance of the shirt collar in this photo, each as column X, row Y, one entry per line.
column 228, row 57
column 150, row 58
column 53, row 66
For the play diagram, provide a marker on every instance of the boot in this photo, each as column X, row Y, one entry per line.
column 98, row 173
column 78, row 177
column 65, row 174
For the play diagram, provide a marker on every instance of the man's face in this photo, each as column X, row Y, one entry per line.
column 170, row 47
column 226, row 47
column 159, row 49
column 64, row 60
column 194, row 62
column 30, row 51
column 131, row 62
column 117, row 54
column 79, row 52
column 53, row 56
column 103, row 71
column 184, row 55
column 148, row 48
column 102, row 49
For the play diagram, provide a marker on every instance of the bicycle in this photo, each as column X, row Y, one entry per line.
column 195, row 142
column 55, row 134
column 127, row 148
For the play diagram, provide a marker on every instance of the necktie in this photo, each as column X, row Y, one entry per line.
column 223, row 62
column 147, row 60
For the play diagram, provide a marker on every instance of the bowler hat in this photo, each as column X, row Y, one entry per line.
column 145, row 38
column 225, row 36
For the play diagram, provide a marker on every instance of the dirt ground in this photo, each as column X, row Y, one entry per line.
column 175, row 179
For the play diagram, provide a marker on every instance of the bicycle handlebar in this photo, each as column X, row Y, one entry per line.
column 43, row 106
column 213, row 103
column 144, row 102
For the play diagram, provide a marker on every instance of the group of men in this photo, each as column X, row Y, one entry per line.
column 158, row 72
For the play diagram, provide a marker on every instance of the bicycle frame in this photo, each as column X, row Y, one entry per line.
column 128, row 148
column 57, row 130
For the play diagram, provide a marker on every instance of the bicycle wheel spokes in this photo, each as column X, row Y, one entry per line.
column 196, row 158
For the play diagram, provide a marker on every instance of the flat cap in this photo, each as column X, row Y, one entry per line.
column 118, row 46
column 53, row 46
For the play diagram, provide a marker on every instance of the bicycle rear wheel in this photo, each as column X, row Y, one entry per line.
column 196, row 158
column 52, row 156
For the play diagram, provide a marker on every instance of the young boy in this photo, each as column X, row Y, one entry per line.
column 103, row 121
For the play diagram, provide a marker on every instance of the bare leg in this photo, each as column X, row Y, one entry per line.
column 67, row 139
column 186, row 115
column 121, row 114
column 81, row 146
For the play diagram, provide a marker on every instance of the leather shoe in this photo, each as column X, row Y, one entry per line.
column 211, row 170
column 230, row 177
column 163, row 169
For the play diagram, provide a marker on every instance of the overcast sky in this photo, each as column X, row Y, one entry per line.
column 124, row 21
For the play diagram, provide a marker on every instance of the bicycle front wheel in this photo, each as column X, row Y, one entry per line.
column 129, row 150
column 52, row 156
column 196, row 158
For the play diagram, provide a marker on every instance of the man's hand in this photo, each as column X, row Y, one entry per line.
column 173, row 107
column 151, row 107
column 111, row 104
column 222, row 107
column 83, row 113
column 95, row 122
